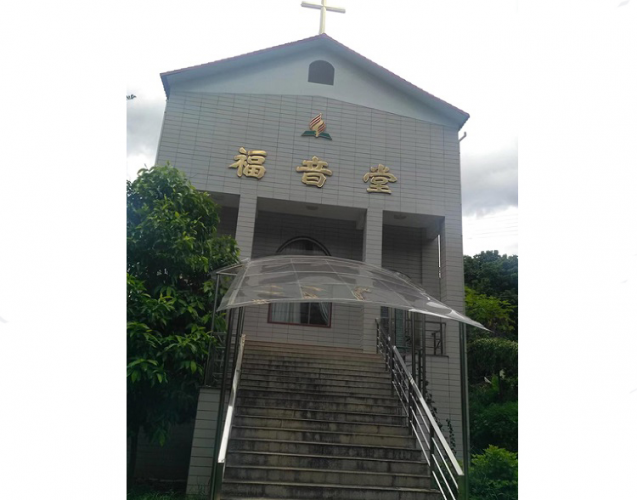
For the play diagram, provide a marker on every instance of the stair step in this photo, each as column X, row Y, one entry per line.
column 321, row 476
column 330, row 380
column 341, row 416
column 315, row 387
column 322, row 436
column 323, row 448
column 323, row 373
column 315, row 396
column 328, row 357
column 323, row 491
column 320, row 425
column 369, row 365
column 316, row 350
column 327, row 462
column 308, row 404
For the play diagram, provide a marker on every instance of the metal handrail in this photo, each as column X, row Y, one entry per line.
column 423, row 424
column 227, row 428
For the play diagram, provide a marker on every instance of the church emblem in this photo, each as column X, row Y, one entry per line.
column 250, row 163
column 315, row 171
column 378, row 177
column 317, row 128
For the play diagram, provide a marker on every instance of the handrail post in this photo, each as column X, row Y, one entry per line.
column 392, row 364
column 412, row 327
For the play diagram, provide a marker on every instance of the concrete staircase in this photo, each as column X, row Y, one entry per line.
column 320, row 423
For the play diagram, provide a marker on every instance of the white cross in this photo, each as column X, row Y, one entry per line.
column 324, row 8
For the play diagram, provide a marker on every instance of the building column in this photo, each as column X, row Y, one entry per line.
column 246, row 220
column 430, row 265
column 372, row 254
column 452, row 294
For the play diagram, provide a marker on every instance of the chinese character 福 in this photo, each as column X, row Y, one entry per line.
column 250, row 163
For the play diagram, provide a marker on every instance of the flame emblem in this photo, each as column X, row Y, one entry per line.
column 317, row 128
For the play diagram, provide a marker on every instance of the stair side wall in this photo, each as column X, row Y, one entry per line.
column 203, row 442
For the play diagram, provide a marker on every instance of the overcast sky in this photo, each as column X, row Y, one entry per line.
column 462, row 53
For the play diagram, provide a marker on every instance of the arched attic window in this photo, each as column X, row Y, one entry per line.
column 321, row 72
column 302, row 313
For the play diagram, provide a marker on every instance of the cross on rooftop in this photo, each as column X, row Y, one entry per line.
column 324, row 8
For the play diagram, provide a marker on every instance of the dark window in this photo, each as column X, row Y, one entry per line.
column 321, row 72
column 302, row 313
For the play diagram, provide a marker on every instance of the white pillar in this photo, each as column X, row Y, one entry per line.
column 452, row 294
column 246, row 220
column 372, row 254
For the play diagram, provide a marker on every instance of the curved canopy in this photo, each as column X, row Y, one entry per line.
column 313, row 278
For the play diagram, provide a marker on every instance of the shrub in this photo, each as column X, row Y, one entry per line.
column 494, row 475
column 495, row 424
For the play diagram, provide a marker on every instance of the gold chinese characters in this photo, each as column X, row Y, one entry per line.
column 314, row 172
column 250, row 163
column 378, row 177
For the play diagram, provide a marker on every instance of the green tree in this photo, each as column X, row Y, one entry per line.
column 494, row 475
column 497, row 315
column 172, row 247
column 492, row 298
column 495, row 424
column 491, row 356
column 495, row 275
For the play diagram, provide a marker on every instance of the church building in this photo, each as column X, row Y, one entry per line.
column 310, row 148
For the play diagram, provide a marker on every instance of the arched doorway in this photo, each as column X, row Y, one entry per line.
column 316, row 314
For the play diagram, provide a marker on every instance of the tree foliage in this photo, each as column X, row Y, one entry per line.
column 491, row 298
column 494, row 475
column 495, row 424
column 491, row 356
column 493, row 274
column 496, row 276
column 172, row 246
column 497, row 315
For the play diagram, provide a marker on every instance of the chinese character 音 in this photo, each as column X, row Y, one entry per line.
column 250, row 163
column 378, row 177
column 314, row 172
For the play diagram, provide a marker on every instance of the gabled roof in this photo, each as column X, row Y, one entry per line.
column 320, row 41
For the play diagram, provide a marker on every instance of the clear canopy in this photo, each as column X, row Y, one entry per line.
column 315, row 278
